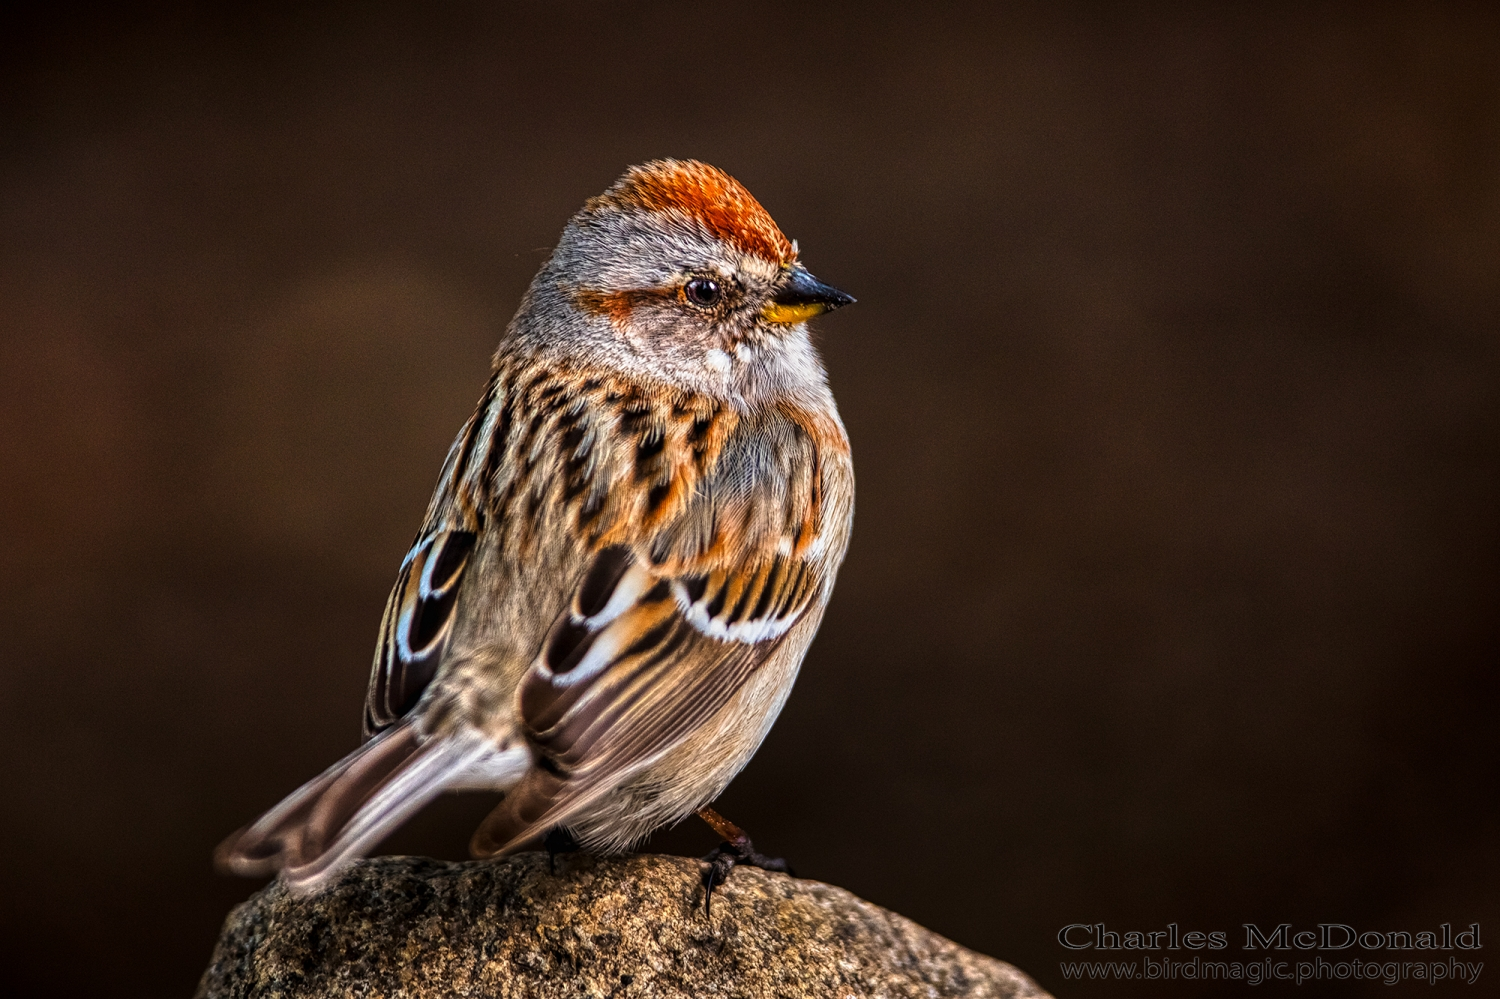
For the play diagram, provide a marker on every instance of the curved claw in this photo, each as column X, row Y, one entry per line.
column 721, row 862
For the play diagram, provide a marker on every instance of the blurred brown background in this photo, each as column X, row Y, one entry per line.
column 1172, row 386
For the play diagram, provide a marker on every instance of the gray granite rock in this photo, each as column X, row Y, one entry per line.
column 620, row 927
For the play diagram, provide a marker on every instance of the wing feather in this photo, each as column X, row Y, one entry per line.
column 418, row 620
column 614, row 691
column 674, row 616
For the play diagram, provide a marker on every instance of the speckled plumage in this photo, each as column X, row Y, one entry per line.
column 628, row 552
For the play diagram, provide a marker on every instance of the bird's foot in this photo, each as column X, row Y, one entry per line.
column 558, row 840
column 735, row 851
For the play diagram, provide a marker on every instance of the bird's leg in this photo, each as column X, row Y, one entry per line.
column 733, row 852
column 558, row 840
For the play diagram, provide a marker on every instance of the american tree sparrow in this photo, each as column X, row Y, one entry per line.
column 630, row 547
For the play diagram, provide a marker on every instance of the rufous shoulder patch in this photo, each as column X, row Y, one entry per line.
column 706, row 194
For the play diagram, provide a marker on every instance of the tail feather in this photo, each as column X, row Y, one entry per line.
column 281, row 836
column 350, row 807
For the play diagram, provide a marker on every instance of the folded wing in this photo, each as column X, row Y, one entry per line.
column 639, row 660
column 418, row 620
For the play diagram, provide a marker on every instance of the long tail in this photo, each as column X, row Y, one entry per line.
column 355, row 803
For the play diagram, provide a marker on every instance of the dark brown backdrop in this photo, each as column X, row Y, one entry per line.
column 1172, row 386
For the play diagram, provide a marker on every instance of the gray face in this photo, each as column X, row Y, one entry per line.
column 682, row 285
column 655, row 294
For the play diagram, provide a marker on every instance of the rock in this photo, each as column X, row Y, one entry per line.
column 618, row 927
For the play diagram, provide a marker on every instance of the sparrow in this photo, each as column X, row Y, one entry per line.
column 630, row 547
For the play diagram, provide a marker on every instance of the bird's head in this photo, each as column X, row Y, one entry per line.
column 677, row 270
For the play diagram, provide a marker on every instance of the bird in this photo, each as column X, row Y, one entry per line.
column 629, row 549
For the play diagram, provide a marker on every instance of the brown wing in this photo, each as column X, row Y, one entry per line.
column 629, row 671
column 660, row 634
column 414, row 631
column 419, row 613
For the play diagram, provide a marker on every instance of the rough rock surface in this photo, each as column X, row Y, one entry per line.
column 632, row 926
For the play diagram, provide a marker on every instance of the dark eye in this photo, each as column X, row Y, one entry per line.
column 703, row 292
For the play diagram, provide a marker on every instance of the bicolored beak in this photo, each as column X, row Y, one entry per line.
column 802, row 296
